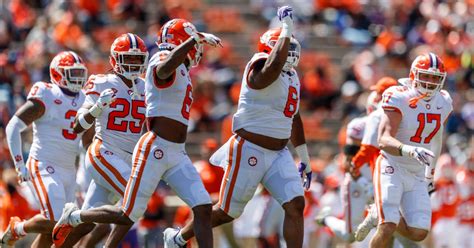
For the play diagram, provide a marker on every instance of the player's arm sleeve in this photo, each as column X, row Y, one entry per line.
column 13, row 132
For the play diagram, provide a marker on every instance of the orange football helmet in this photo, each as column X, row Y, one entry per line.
column 268, row 41
column 173, row 33
column 428, row 74
column 67, row 70
column 129, row 56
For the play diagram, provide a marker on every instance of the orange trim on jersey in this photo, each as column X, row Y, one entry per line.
column 141, row 168
column 378, row 192
column 250, row 70
column 227, row 171
column 93, row 93
column 34, row 184
column 110, row 167
column 45, row 193
column 101, row 172
column 167, row 83
column 392, row 108
column 234, row 176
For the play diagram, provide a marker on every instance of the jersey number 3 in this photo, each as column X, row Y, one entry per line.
column 68, row 134
column 422, row 119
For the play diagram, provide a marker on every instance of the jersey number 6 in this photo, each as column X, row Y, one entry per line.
column 291, row 103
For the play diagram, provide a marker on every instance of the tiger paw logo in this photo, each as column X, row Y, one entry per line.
column 253, row 161
column 389, row 170
column 58, row 101
column 50, row 169
column 158, row 154
column 18, row 158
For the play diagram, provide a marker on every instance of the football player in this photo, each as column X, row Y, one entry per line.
column 115, row 103
column 267, row 117
column 357, row 190
column 50, row 168
column 410, row 135
column 160, row 153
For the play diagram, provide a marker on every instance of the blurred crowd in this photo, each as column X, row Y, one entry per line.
column 346, row 47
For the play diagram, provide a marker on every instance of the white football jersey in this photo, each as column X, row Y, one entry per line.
column 172, row 100
column 120, row 124
column 356, row 128
column 268, row 111
column 420, row 122
column 371, row 131
column 54, row 140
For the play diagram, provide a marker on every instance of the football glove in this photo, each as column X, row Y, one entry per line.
column 105, row 99
column 285, row 15
column 201, row 37
column 305, row 174
column 23, row 174
column 423, row 156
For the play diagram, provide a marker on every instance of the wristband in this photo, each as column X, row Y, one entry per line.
column 406, row 150
column 83, row 122
column 285, row 32
column 302, row 151
column 95, row 111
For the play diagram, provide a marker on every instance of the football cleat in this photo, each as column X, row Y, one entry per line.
column 368, row 224
column 63, row 228
column 9, row 237
column 169, row 236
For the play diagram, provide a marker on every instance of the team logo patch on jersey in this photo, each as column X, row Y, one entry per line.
column 253, row 161
column 57, row 101
column 389, row 170
column 356, row 193
column 428, row 106
column 18, row 158
column 182, row 73
column 158, row 154
column 50, row 169
column 108, row 153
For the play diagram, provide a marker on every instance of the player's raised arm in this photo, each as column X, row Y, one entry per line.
column 193, row 39
column 265, row 72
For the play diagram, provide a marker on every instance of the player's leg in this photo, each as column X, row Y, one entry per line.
column 238, row 185
column 389, row 189
column 186, row 182
column 416, row 211
column 99, row 232
column 283, row 182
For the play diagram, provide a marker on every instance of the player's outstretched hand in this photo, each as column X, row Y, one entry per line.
column 305, row 174
column 201, row 37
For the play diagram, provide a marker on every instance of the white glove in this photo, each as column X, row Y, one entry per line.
column 285, row 15
column 23, row 174
column 200, row 37
column 423, row 156
column 105, row 99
